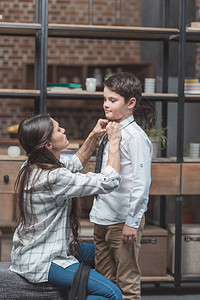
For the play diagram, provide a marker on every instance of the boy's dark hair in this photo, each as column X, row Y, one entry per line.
column 126, row 85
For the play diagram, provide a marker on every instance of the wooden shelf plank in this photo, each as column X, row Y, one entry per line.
column 161, row 96
column 7, row 224
column 165, row 179
column 193, row 35
column 195, row 98
column 166, row 278
column 8, row 158
column 82, row 95
column 11, row 28
column 76, row 95
column 15, row 93
column 99, row 95
column 190, row 179
column 110, row 32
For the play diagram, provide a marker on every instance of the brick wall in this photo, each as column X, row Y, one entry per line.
column 197, row 64
column 17, row 52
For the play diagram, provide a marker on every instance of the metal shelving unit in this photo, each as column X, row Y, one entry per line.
column 111, row 32
column 42, row 31
column 12, row 93
column 19, row 29
column 29, row 30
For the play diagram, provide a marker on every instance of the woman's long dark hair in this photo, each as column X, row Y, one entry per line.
column 34, row 133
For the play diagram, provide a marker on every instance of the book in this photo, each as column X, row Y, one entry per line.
column 194, row 25
column 64, row 85
column 191, row 80
column 63, row 89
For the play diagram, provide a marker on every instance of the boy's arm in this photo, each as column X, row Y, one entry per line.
column 129, row 234
column 140, row 151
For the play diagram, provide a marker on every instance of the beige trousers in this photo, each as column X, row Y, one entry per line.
column 117, row 260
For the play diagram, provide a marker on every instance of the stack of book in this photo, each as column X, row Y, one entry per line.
column 192, row 86
column 194, row 26
column 64, row 87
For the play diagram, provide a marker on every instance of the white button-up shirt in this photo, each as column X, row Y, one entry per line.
column 46, row 239
column 129, row 201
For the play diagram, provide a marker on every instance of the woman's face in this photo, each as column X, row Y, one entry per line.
column 59, row 139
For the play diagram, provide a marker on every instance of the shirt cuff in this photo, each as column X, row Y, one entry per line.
column 79, row 166
column 109, row 170
column 133, row 223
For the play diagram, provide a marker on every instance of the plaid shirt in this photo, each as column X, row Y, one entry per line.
column 46, row 237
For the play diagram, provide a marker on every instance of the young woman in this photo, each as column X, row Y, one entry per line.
column 47, row 186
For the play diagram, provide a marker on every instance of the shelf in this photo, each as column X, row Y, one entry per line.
column 191, row 160
column 84, row 95
column 190, row 179
column 23, row 29
column 9, row 158
column 15, row 93
column 193, row 35
column 165, row 179
column 7, row 224
column 161, row 97
column 110, row 32
column 195, row 98
column 153, row 279
column 99, row 95
column 191, row 278
column 77, row 95
column 9, row 141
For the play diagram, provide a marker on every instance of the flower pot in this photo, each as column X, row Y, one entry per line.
column 155, row 144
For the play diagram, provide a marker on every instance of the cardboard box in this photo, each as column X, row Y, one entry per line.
column 153, row 252
column 190, row 252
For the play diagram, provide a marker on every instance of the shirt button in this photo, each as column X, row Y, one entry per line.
column 104, row 153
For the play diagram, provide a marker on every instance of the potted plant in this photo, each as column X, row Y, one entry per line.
column 156, row 134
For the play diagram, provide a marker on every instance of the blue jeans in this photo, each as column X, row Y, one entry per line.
column 99, row 287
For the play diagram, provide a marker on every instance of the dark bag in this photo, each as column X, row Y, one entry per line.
column 79, row 285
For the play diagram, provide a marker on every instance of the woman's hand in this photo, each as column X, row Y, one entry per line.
column 100, row 128
column 90, row 144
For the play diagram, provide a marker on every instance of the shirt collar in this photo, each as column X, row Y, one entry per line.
column 126, row 122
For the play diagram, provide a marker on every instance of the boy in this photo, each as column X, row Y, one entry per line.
column 119, row 216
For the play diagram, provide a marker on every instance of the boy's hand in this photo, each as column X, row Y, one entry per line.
column 100, row 128
column 129, row 234
column 113, row 131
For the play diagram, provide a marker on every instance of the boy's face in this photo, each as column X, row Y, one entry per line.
column 115, row 107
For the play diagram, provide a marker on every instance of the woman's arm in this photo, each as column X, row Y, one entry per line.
column 68, row 185
column 90, row 144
